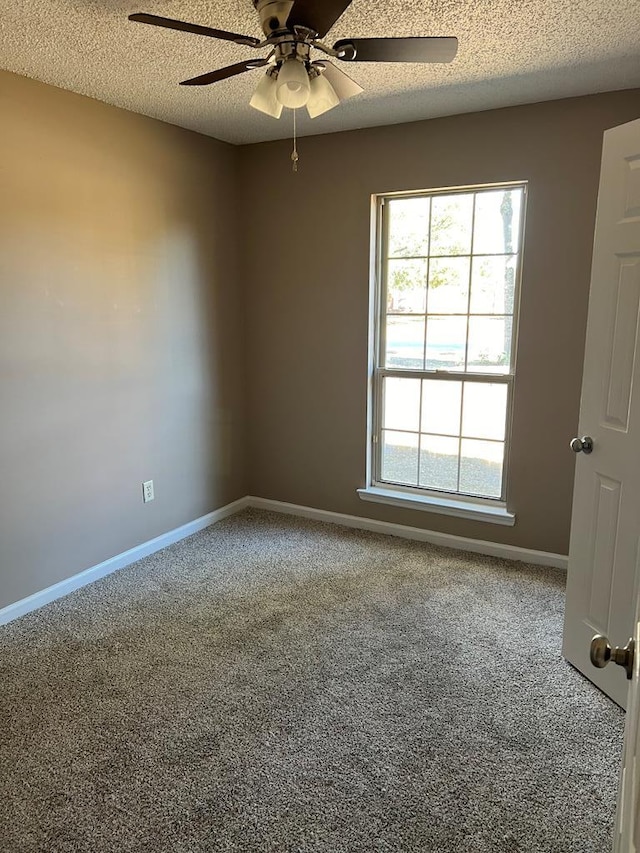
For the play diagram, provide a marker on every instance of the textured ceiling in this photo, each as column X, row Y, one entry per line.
column 510, row 53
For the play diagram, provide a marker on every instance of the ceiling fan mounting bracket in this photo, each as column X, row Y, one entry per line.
column 347, row 51
column 319, row 45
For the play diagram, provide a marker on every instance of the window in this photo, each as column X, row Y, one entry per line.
column 448, row 265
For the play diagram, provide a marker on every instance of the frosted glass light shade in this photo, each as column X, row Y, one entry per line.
column 264, row 97
column 292, row 86
column 322, row 97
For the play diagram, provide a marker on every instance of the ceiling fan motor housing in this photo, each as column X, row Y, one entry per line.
column 273, row 14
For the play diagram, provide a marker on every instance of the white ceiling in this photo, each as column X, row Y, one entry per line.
column 510, row 53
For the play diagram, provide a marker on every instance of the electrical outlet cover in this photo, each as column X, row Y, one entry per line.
column 147, row 491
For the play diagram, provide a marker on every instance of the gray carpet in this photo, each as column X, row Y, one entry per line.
column 272, row 684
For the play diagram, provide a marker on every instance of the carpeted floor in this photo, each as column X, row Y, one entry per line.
column 272, row 684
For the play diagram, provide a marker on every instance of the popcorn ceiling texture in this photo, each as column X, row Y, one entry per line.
column 510, row 53
column 274, row 685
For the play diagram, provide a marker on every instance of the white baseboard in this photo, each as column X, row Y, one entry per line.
column 64, row 587
column 477, row 546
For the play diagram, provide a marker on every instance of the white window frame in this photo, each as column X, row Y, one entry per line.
column 494, row 510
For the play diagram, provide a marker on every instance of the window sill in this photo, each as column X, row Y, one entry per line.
column 491, row 511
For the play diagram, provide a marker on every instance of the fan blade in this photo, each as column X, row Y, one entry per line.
column 185, row 27
column 343, row 85
column 223, row 73
column 317, row 15
column 398, row 49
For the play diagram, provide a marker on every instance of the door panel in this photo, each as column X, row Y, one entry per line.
column 632, row 181
column 606, row 510
column 602, row 556
column 625, row 338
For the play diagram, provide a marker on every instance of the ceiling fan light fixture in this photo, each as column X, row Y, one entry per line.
column 292, row 85
column 322, row 96
column 292, row 29
column 264, row 98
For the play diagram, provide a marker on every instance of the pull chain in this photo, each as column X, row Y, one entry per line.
column 294, row 153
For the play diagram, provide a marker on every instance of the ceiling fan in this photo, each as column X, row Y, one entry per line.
column 293, row 80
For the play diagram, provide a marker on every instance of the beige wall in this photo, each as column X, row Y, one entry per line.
column 120, row 351
column 123, row 339
column 306, row 279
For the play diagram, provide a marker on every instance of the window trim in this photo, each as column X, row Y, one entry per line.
column 473, row 509
column 449, row 503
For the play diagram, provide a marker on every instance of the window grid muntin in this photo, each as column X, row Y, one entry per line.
column 380, row 349
column 489, row 379
column 444, row 435
column 449, row 257
column 378, row 434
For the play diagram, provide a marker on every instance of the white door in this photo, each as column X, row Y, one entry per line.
column 605, row 527
column 628, row 813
